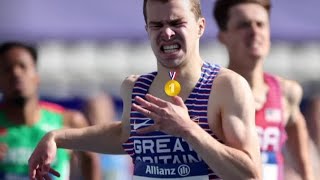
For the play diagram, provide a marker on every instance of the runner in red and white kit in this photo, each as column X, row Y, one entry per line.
column 244, row 29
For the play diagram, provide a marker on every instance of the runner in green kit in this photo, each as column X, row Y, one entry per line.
column 21, row 140
column 24, row 120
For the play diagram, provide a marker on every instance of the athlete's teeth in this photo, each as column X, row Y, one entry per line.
column 175, row 46
column 170, row 50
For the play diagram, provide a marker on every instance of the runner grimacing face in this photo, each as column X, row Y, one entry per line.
column 173, row 31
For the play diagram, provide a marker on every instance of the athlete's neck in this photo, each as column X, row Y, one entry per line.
column 251, row 70
column 27, row 113
column 185, row 73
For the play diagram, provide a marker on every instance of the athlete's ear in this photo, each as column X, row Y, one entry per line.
column 202, row 26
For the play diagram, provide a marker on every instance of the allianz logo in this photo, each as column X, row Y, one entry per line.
column 182, row 170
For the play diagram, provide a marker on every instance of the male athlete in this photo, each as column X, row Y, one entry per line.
column 245, row 31
column 24, row 120
column 206, row 131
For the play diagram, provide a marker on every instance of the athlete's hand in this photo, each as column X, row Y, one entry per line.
column 169, row 117
column 42, row 157
column 3, row 151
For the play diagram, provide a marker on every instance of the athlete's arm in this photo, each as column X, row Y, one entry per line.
column 102, row 138
column 239, row 157
column 298, row 139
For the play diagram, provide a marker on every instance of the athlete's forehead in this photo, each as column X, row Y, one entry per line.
column 248, row 12
column 158, row 11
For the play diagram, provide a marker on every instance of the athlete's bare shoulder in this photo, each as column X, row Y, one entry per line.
column 291, row 89
column 126, row 88
column 230, row 89
column 128, row 84
column 126, row 93
column 229, row 79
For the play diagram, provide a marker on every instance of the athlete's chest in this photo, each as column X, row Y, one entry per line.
column 270, row 124
column 20, row 141
column 157, row 89
column 22, row 135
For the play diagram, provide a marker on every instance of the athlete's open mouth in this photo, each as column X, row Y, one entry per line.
column 170, row 48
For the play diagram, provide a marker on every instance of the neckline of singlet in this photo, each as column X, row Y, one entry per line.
column 204, row 69
column 273, row 89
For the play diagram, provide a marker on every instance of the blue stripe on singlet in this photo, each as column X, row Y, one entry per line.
column 155, row 152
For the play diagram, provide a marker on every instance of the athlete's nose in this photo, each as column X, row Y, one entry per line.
column 168, row 33
column 254, row 29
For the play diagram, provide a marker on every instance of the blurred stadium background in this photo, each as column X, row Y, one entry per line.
column 87, row 46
